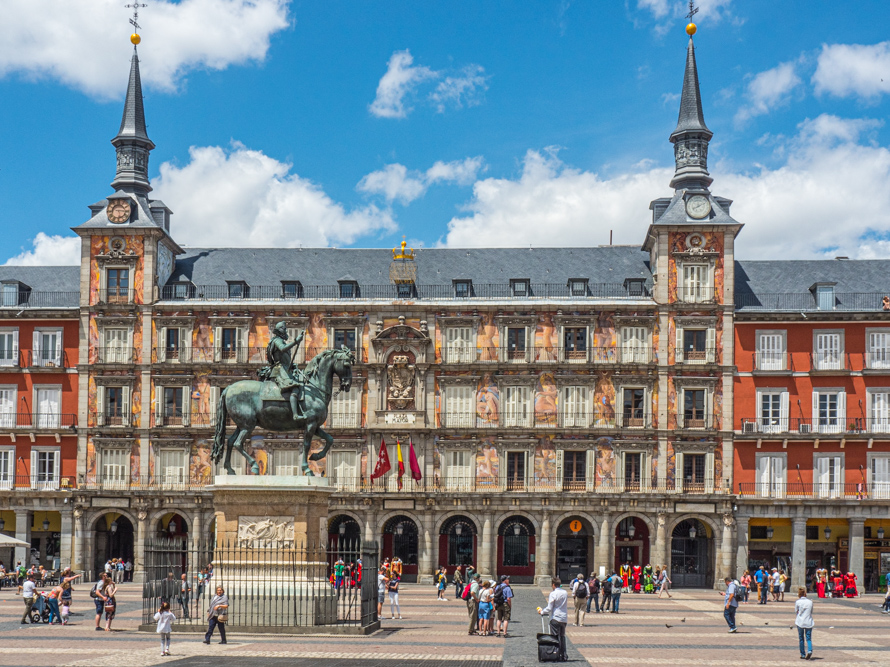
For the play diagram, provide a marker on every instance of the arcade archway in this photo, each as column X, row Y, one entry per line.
column 631, row 542
column 114, row 538
column 457, row 542
column 692, row 555
column 574, row 548
column 516, row 550
column 401, row 540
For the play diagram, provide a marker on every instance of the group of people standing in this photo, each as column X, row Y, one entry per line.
column 118, row 570
column 346, row 575
column 489, row 604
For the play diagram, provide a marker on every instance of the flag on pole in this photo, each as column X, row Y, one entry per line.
column 401, row 463
column 412, row 461
column 383, row 466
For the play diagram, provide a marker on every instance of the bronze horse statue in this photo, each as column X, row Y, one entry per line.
column 248, row 403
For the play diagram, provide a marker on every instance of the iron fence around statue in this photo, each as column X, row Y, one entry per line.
column 273, row 587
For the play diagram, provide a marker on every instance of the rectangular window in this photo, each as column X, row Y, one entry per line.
column 181, row 290
column 772, row 411
column 10, row 295
column 237, row 290
column 290, row 289
column 695, row 346
column 286, row 461
column 49, row 407
column 348, row 290
column 878, row 355
column 9, row 347
column 574, row 471
column 693, row 472
column 460, row 407
column 771, row 476
column 578, row 287
column 880, row 476
column 115, row 469
column 575, row 407
column 45, row 469
column 515, row 406
column 172, row 467
column 462, row 289
column 344, row 337
column 172, row 342
column 117, row 350
column 634, row 407
column 230, row 344
column 7, row 468
column 829, row 409
column 829, row 352
column 770, row 351
column 117, row 283
column 634, row 347
column 459, row 470
column 516, row 341
column 519, row 288
column 114, row 406
column 345, row 411
column 696, row 286
column 694, row 415
column 633, row 470
column 172, row 410
column 8, row 407
column 829, row 476
column 825, row 297
column 460, row 347
column 47, row 348
column 405, row 290
column 575, row 344
column 878, row 410
column 516, row 471
column 342, row 469
column 757, row 532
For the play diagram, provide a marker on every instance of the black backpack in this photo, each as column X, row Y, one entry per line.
column 581, row 589
column 499, row 594
column 607, row 586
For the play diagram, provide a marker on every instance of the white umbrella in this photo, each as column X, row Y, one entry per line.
column 7, row 541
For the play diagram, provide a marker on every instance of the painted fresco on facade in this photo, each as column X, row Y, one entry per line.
column 90, row 469
column 604, row 335
column 605, row 462
column 488, row 400
column 487, row 338
column 545, row 461
column 671, row 468
column 546, row 397
column 200, row 464
column 487, row 463
column 546, row 339
column 604, row 400
column 135, row 462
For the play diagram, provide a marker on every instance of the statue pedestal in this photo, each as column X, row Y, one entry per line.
column 271, row 533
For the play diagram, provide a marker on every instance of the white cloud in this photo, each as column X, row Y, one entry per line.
column 400, row 79
column 768, row 90
column 244, row 198
column 830, row 192
column 464, row 89
column 395, row 182
column 853, row 70
column 84, row 43
column 49, row 251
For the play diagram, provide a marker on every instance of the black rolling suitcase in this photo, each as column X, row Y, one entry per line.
column 548, row 645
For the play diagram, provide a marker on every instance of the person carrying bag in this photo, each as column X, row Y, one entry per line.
column 218, row 615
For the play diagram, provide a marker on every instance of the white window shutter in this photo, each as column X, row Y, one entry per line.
column 679, row 472
column 560, row 468
column 57, row 353
column 711, row 344
column 33, row 468
column 100, row 405
column 56, row 465
column 529, row 469
column 15, row 348
column 783, row 411
column 763, row 475
column 162, row 344
column 645, row 471
column 217, row 343
column 502, row 469
column 186, row 405
column 35, row 348
column 815, row 409
column 842, row 410
column 679, row 346
column 709, row 472
column 125, row 405
column 214, row 404
column 159, row 405
column 710, row 417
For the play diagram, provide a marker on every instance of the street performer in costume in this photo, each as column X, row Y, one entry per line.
column 821, row 581
column 850, row 585
column 624, row 571
column 636, row 573
column 281, row 367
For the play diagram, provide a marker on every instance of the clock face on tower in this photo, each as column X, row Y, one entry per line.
column 698, row 207
column 118, row 210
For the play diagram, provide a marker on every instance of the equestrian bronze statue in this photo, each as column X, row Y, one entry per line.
column 284, row 399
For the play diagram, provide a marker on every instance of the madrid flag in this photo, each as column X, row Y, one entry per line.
column 383, row 466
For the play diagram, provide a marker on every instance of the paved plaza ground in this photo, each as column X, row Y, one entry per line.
column 434, row 634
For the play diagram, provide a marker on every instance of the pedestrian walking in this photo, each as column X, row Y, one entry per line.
column 109, row 602
column 774, row 584
column 783, row 578
column 185, row 593
column 730, row 603
column 617, row 587
column 760, row 578
column 165, row 619
column 607, row 593
column 458, row 582
column 663, row 582
column 441, row 582
column 128, row 570
column 593, row 584
column 392, row 587
column 472, row 598
column 804, row 622
column 558, row 609
column 745, row 587
column 218, row 615
column 503, row 605
column 580, row 591
column 29, row 595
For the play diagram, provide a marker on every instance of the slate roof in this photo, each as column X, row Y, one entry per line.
column 691, row 118
column 675, row 214
column 133, row 120
column 437, row 266
column 44, row 278
column 864, row 276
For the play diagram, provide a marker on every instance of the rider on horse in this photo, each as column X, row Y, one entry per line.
column 281, row 367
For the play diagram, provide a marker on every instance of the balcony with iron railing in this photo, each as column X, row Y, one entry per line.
column 115, row 296
column 460, row 354
column 564, row 420
column 49, row 421
column 695, row 422
column 39, row 482
column 391, row 292
column 696, row 294
column 46, row 359
column 808, row 302
column 34, row 299
column 707, row 355
column 814, row 490
column 877, row 361
column 806, row 426
column 772, row 362
column 240, row 355
column 115, row 354
column 829, row 362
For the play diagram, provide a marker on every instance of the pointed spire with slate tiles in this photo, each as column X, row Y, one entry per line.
column 132, row 142
column 691, row 137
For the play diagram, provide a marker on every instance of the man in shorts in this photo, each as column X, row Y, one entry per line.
column 503, row 608
column 382, row 581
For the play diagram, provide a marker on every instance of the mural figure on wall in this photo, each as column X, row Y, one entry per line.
column 545, row 400
column 488, row 401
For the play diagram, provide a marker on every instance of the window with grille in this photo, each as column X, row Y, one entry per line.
column 117, row 284
column 348, row 290
column 405, row 290
column 693, row 471
column 173, row 406
column 516, row 470
column 575, row 343
column 519, row 288
column 237, row 290
column 114, row 406
column 460, row 407
column 9, row 296
column 694, row 345
column 463, row 289
column 345, row 337
column 516, row 343
column 230, row 343
column 578, row 287
column 633, row 470
column 291, row 289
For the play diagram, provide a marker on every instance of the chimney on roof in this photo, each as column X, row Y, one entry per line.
column 841, row 257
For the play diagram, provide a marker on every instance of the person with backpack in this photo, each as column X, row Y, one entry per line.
column 503, row 604
column 471, row 595
column 617, row 586
column 593, row 585
column 580, row 592
column 607, row 593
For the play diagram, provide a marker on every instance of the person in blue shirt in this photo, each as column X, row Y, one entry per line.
column 762, row 584
column 730, row 603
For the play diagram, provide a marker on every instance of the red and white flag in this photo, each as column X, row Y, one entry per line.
column 383, row 466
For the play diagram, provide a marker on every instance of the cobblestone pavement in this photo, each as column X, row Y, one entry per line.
column 433, row 634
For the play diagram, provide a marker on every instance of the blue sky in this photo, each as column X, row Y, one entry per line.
column 351, row 123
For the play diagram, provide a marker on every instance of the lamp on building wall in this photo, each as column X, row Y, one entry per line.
column 769, row 532
column 692, row 531
column 458, row 529
column 517, row 529
column 342, row 529
column 401, row 529
column 631, row 529
column 171, row 527
column 113, row 527
column 827, row 533
column 45, row 522
column 881, row 533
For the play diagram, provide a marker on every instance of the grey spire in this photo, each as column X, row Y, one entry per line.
column 691, row 137
column 132, row 142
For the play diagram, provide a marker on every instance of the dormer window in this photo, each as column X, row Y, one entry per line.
column 291, row 289
column 635, row 286
column 578, row 287
column 181, row 290
column 238, row 289
column 11, row 294
column 405, row 290
column 520, row 288
column 463, row 289
column 348, row 289
column 824, row 293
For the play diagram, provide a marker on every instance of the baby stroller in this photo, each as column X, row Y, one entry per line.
column 40, row 610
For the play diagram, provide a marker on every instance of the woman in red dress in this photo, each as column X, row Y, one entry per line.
column 637, row 572
column 625, row 574
column 850, row 583
column 838, row 582
column 821, row 580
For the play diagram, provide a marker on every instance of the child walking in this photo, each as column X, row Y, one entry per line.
column 165, row 619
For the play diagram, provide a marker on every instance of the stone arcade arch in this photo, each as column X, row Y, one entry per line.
column 693, row 554
column 401, row 539
column 632, row 540
column 114, row 537
column 457, row 542
column 516, row 549
column 574, row 547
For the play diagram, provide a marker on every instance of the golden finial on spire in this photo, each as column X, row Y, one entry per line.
column 693, row 10
column 135, row 39
column 406, row 253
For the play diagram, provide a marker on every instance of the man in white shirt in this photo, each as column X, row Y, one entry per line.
column 804, row 622
column 558, row 608
column 29, row 592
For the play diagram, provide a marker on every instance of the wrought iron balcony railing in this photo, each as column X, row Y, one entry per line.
column 37, row 420
column 115, row 354
column 816, row 490
column 36, row 482
column 32, row 299
column 808, row 301
column 116, row 295
column 817, row 425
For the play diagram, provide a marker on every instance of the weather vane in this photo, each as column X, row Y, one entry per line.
column 136, row 6
column 693, row 10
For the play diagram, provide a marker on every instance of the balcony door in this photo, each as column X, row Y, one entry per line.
column 49, row 402
column 771, row 475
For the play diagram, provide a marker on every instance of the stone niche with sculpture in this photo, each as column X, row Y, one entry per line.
column 401, row 368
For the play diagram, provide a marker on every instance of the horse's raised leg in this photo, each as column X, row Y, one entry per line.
column 328, row 441
column 227, row 463
column 239, row 445
column 311, row 428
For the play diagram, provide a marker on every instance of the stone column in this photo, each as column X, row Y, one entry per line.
column 77, row 540
column 369, row 526
column 604, row 548
column 856, row 554
column 485, row 559
column 197, row 532
column 543, row 549
column 23, row 532
column 139, row 547
column 725, row 558
column 426, row 558
column 660, row 544
column 741, row 554
column 799, row 552
column 65, row 537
